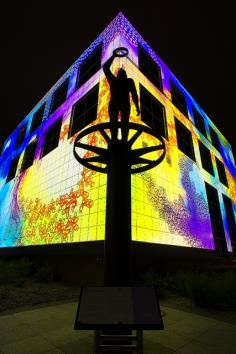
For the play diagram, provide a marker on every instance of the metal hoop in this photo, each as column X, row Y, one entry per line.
column 121, row 52
column 104, row 155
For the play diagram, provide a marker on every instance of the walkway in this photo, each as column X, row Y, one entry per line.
column 49, row 330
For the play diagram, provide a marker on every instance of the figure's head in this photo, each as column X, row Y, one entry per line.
column 122, row 74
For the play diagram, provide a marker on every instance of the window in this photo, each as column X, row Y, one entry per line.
column 221, row 172
column 29, row 155
column 216, row 220
column 152, row 112
column 178, row 99
column 12, row 169
column 149, row 68
column 184, row 139
column 59, row 96
column 199, row 122
column 230, row 221
column 90, row 66
column 37, row 118
column 21, row 135
column 84, row 111
column 214, row 138
column 52, row 136
column 206, row 158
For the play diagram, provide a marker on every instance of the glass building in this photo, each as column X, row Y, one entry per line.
column 47, row 197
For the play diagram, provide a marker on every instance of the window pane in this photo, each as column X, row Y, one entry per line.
column 214, row 138
column 152, row 112
column 21, row 135
column 184, row 139
column 59, row 96
column 221, row 172
column 51, row 139
column 206, row 158
column 29, row 156
column 199, row 122
column 216, row 220
column 90, row 66
column 230, row 221
column 178, row 99
column 84, row 111
column 149, row 68
column 37, row 118
column 12, row 169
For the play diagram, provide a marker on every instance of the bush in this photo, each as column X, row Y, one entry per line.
column 215, row 290
column 44, row 273
column 15, row 271
column 151, row 278
column 212, row 290
column 4, row 292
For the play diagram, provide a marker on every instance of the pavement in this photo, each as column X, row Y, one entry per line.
column 49, row 330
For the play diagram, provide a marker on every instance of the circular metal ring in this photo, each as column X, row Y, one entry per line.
column 121, row 52
column 103, row 155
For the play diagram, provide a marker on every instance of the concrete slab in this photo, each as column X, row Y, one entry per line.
column 50, row 330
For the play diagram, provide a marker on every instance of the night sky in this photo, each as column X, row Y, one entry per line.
column 195, row 39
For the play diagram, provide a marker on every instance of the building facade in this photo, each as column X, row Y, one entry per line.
column 47, row 197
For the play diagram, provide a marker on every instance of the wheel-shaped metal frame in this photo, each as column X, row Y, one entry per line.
column 104, row 155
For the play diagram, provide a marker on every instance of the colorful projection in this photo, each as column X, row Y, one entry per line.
column 56, row 200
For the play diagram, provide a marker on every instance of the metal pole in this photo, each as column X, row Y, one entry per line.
column 118, row 217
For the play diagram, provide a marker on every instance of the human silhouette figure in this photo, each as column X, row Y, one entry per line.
column 120, row 87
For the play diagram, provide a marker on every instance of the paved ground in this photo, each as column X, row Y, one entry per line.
column 49, row 330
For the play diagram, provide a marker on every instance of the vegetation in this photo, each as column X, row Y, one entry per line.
column 15, row 272
column 23, row 284
column 212, row 290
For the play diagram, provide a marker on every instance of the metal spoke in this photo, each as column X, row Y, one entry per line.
column 145, row 150
column 96, row 149
column 96, row 159
column 141, row 160
column 134, row 138
column 105, row 135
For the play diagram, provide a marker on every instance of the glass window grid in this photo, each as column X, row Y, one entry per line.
column 184, row 139
column 153, row 112
column 59, row 96
column 21, row 135
column 51, row 138
column 216, row 219
column 221, row 172
column 231, row 222
column 199, row 122
column 214, row 138
column 90, row 66
column 178, row 99
column 149, row 68
column 206, row 158
column 28, row 158
column 12, row 169
column 84, row 111
column 37, row 118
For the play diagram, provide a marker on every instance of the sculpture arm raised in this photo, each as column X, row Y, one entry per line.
column 107, row 70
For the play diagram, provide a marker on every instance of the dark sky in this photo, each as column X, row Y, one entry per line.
column 195, row 39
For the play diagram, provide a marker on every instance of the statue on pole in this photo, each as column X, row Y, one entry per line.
column 120, row 87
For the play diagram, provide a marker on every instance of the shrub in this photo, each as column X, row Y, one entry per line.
column 15, row 271
column 44, row 273
column 4, row 292
column 215, row 290
column 151, row 278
